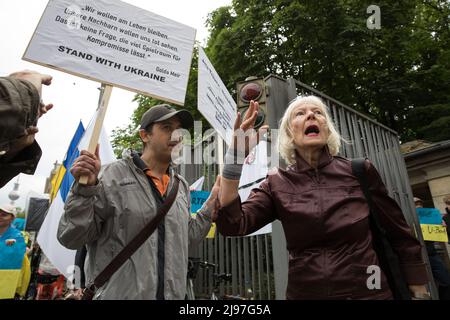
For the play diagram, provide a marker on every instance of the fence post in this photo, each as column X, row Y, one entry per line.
column 279, row 95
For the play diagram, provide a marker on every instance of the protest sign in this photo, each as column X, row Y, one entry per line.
column 198, row 198
column 433, row 232
column 214, row 101
column 117, row 44
column 429, row 216
column 254, row 171
column 430, row 220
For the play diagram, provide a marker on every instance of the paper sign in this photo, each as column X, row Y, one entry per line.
column 429, row 216
column 115, row 43
column 434, row 232
column 198, row 198
column 254, row 171
column 214, row 101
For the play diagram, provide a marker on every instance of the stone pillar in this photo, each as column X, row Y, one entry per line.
column 439, row 188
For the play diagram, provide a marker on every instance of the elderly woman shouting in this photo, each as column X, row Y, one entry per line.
column 322, row 209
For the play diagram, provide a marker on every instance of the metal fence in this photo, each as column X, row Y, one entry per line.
column 247, row 259
column 260, row 262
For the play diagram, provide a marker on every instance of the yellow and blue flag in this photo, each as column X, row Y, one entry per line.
column 47, row 240
column 64, row 179
column 12, row 252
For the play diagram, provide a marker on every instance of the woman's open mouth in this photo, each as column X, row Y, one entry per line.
column 312, row 131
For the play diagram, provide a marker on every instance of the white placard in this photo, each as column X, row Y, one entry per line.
column 214, row 101
column 115, row 43
column 254, row 171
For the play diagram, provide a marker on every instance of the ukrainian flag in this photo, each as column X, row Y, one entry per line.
column 62, row 183
column 12, row 252
column 62, row 179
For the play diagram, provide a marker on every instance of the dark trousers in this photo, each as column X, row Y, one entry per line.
column 441, row 276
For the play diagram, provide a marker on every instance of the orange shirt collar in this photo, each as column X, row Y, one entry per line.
column 161, row 185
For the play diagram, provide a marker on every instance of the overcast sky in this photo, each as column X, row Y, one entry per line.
column 75, row 98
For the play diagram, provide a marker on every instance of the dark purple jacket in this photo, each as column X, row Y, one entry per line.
column 325, row 219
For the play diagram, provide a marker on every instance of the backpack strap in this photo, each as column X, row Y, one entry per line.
column 359, row 171
column 133, row 246
column 387, row 257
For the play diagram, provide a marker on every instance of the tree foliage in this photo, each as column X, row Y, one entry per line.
column 394, row 74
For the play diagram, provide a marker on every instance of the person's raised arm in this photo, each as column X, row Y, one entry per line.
column 236, row 218
column 245, row 138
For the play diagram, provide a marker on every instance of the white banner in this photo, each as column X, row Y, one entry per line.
column 254, row 171
column 115, row 43
column 197, row 185
column 214, row 101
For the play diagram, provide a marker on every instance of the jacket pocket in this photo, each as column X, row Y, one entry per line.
column 305, row 275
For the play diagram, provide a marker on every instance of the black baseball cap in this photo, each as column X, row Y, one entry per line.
column 163, row 112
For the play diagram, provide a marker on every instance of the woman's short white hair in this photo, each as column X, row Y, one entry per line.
column 286, row 144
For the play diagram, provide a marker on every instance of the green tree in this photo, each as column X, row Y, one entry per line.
column 398, row 74
column 327, row 44
column 429, row 113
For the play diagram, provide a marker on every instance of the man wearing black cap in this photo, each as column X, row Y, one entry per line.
column 114, row 206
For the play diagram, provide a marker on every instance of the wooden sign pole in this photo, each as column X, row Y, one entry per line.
column 220, row 153
column 103, row 106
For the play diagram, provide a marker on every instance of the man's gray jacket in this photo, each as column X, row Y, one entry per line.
column 107, row 216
